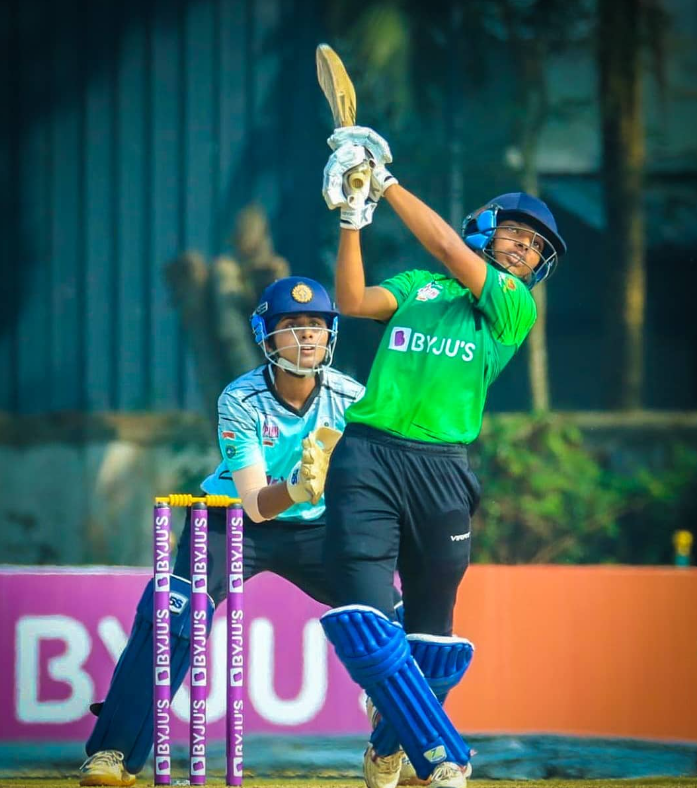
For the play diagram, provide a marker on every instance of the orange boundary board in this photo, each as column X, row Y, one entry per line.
column 592, row 651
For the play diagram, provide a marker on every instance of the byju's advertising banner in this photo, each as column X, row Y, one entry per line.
column 62, row 631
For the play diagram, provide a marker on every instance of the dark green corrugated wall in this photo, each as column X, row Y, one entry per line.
column 130, row 132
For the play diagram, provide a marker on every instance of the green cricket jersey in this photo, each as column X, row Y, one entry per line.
column 440, row 352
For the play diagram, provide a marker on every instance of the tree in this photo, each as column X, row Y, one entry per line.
column 623, row 28
column 534, row 32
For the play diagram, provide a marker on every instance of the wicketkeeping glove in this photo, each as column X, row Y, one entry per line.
column 306, row 481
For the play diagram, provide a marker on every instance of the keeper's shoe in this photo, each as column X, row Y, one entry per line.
column 450, row 775
column 106, row 768
column 381, row 772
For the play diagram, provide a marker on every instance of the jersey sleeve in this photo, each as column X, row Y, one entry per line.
column 508, row 307
column 237, row 433
column 402, row 284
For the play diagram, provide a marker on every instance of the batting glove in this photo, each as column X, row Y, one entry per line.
column 379, row 154
column 380, row 180
column 376, row 145
column 342, row 161
column 356, row 207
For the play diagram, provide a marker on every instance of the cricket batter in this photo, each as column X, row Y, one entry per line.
column 400, row 492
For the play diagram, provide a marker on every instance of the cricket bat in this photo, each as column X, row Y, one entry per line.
column 341, row 95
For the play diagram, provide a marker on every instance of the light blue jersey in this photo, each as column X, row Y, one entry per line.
column 255, row 426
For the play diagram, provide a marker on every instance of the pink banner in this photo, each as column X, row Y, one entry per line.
column 62, row 630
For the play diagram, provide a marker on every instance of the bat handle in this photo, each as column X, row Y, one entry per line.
column 356, row 180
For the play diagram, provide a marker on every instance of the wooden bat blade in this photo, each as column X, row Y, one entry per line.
column 336, row 86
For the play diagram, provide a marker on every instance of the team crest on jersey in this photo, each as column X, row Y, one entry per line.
column 429, row 292
column 302, row 293
column 506, row 283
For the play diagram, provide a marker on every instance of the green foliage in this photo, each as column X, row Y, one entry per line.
column 547, row 497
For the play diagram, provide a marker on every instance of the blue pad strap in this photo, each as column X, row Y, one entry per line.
column 377, row 656
column 443, row 661
column 125, row 720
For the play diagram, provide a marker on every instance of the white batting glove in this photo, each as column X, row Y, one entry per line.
column 343, row 160
column 380, row 180
column 379, row 154
column 306, row 481
column 356, row 207
column 365, row 137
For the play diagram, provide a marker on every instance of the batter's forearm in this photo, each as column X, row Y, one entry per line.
column 350, row 276
column 438, row 238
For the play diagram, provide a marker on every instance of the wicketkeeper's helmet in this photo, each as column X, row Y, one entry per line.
column 479, row 227
column 293, row 295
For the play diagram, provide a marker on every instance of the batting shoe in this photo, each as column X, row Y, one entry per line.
column 407, row 773
column 450, row 775
column 381, row 771
column 106, row 768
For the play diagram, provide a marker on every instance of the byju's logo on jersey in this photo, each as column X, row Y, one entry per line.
column 403, row 339
column 429, row 292
column 399, row 339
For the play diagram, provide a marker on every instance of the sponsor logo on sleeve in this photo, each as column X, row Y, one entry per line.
column 228, row 435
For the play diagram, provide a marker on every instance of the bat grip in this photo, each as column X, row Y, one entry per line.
column 357, row 180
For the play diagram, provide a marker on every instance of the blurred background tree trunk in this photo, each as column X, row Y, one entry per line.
column 534, row 97
column 215, row 301
column 533, row 108
column 623, row 150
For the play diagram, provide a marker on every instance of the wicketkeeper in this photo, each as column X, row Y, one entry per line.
column 277, row 427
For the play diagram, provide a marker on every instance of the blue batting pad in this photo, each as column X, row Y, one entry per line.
column 125, row 721
column 443, row 661
column 377, row 656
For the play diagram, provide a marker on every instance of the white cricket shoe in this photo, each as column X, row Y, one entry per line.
column 381, row 772
column 450, row 775
column 106, row 768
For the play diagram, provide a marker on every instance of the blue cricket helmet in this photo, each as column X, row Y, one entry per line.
column 288, row 296
column 479, row 227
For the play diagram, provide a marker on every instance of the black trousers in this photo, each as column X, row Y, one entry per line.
column 396, row 504
column 292, row 550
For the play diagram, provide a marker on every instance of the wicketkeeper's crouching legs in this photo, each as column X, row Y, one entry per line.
column 379, row 658
column 125, row 719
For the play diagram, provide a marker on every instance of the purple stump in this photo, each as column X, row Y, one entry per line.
column 235, row 655
column 199, row 657
column 162, row 520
